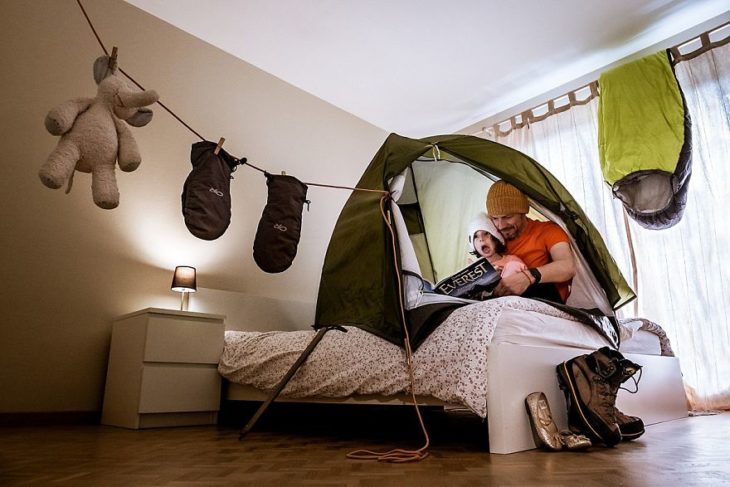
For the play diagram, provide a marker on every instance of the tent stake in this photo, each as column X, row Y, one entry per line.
column 287, row 377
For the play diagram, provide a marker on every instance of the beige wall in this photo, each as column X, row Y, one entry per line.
column 67, row 267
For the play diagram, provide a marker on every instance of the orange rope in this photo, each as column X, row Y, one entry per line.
column 398, row 455
column 163, row 106
column 246, row 163
column 385, row 193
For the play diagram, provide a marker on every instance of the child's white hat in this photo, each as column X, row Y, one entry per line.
column 482, row 222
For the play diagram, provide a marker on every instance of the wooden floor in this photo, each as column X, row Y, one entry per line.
column 300, row 447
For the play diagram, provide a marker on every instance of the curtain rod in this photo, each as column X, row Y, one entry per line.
column 568, row 100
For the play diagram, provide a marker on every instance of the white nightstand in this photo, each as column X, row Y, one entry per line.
column 163, row 369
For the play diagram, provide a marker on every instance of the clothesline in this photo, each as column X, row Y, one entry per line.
column 242, row 161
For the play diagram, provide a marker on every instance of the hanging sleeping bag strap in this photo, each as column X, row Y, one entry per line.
column 287, row 377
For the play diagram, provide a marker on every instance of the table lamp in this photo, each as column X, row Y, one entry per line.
column 183, row 281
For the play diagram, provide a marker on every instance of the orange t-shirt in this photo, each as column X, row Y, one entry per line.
column 534, row 244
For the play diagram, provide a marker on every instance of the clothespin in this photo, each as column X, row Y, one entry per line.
column 113, row 60
column 218, row 147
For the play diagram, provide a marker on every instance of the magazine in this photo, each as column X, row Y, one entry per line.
column 475, row 281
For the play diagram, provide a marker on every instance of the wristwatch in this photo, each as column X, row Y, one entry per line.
column 536, row 274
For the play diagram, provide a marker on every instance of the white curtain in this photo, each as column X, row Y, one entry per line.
column 683, row 272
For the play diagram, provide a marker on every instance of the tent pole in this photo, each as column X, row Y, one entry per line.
column 287, row 377
column 423, row 223
column 632, row 255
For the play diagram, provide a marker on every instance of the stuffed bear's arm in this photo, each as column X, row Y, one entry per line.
column 128, row 153
column 61, row 118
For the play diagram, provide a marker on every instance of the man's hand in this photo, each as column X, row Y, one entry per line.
column 561, row 269
column 513, row 285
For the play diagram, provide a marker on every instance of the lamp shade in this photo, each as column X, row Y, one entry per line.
column 184, row 279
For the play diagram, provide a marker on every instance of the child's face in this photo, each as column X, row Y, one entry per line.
column 485, row 244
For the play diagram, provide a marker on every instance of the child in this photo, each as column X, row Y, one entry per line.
column 487, row 242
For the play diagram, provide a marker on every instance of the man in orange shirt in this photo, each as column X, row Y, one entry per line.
column 543, row 246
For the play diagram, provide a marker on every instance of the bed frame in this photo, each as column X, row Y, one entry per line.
column 517, row 370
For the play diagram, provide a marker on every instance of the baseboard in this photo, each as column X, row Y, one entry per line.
column 56, row 418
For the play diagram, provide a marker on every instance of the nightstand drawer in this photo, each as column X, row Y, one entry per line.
column 185, row 340
column 179, row 388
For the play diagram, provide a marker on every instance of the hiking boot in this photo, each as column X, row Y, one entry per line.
column 591, row 395
column 631, row 427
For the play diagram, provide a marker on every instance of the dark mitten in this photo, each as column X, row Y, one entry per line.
column 206, row 196
column 277, row 236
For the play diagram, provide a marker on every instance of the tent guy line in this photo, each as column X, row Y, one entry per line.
column 243, row 160
column 399, row 455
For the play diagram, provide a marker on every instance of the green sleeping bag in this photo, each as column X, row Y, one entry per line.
column 644, row 139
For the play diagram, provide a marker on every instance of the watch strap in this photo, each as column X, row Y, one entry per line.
column 535, row 274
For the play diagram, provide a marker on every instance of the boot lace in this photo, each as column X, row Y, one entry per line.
column 606, row 395
column 634, row 368
column 636, row 383
column 621, row 417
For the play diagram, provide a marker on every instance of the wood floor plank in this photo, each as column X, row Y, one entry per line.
column 687, row 452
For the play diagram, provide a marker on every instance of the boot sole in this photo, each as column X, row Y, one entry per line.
column 568, row 386
column 631, row 436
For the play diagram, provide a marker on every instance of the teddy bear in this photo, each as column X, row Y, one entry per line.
column 95, row 136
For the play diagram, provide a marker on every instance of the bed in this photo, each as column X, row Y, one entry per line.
column 486, row 357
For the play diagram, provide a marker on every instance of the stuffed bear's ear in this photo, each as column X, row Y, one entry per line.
column 101, row 69
column 141, row 117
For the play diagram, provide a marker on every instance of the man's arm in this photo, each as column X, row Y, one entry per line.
column 561, row 269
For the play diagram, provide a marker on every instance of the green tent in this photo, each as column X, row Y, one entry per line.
column 441, row 183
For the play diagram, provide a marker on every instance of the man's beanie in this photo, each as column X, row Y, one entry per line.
column 505, row 199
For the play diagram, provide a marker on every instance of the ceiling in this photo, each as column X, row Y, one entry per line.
column 422, row 67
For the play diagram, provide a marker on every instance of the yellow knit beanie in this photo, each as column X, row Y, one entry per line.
column 505, row 199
